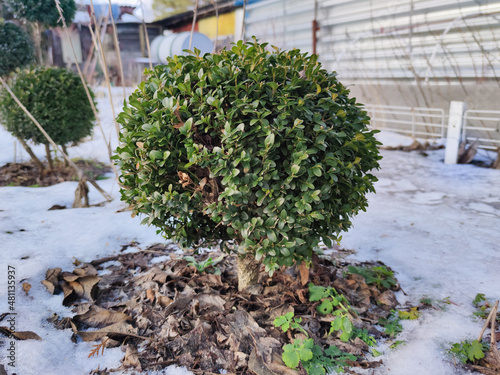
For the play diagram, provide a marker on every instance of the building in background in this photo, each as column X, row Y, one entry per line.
column 406, row 59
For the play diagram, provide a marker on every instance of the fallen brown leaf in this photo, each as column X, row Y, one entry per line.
column 26, row 287
column 97, row 317
column 304, row 273
column 20, row 335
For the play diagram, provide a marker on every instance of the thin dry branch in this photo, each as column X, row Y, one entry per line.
column 480, row 337
column 493, row 340
column 117, row 49
column 105, row 68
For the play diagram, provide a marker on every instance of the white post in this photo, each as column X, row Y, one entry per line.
column 453, row 138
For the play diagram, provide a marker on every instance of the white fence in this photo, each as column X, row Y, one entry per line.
column 415, row 122
column 482, row 127
column 470, row 126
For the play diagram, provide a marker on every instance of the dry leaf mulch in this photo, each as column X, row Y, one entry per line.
column 164, row 311
column 28, row 174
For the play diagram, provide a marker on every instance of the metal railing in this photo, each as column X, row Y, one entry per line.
column 483, row 127
column 416, row 122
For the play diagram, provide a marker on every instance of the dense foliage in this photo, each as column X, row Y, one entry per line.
column 57, row 100
column 42, row 11
column 263, row 148
column 16, row 48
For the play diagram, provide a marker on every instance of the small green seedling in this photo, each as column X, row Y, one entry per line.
column 468, row 351
column 334, row 303
column 363, row 335
column 397, row 343
column 288, row 321
column 483, row 307
column 314, row 359
column 205, row 264
column 382, row 277
column 392, row 324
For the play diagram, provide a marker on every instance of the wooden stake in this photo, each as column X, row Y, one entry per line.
column 195, row 13
column 117, row 48
column 216, row 6
column 243, row 25
column 105, row 69
column 146, row 36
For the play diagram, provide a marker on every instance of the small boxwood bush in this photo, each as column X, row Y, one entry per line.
column 42, row 11
column 262, row 148
column 16, row 48
column 57, row 100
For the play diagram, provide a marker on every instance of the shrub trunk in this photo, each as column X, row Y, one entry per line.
column 248, row 271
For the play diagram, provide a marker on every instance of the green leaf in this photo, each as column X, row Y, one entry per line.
column 476, row 351
column 272, row 235
column 269, row 141
column 295, row 169
column 155, row 154
column 325, row 307
column 316, row 293
column 290, row 356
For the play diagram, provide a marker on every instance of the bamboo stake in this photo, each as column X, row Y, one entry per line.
column 105, row 69
column 117, row 48
column 81, row 175
column 216, row 6
column 195, row 13
column 84, row 83
column 146, row 36
column 243, row 25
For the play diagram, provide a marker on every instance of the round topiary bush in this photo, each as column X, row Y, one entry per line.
column 16, row 48
column 57, row 100
column 42, row 11
column 262, row 149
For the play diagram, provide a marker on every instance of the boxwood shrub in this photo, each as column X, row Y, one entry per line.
column 254, row 146
column 57, row 100
column 16, row 48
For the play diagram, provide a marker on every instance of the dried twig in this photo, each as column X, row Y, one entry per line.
column 98, row 347
column 480, row 337
column 493, row 341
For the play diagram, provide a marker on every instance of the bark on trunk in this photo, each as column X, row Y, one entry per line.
column 49, row 157
column 248, row 271
column 32, row 154
column 65, row 150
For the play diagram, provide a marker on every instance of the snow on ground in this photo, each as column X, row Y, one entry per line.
column 436, row 225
